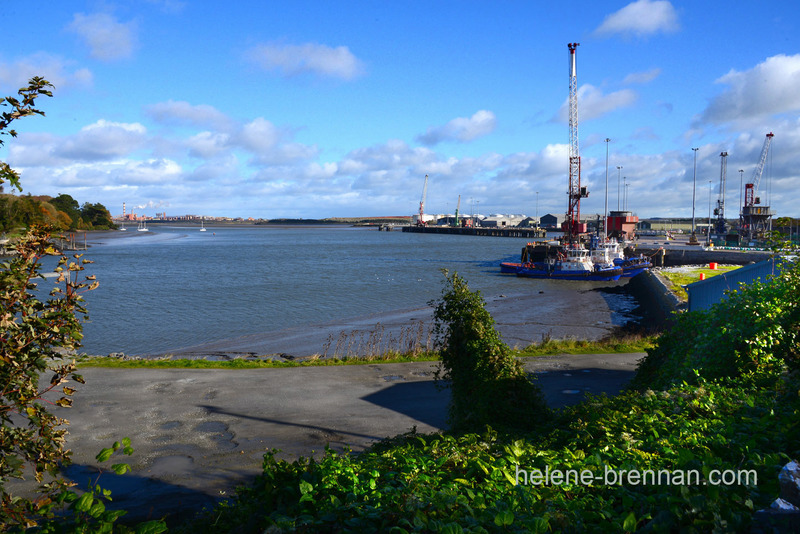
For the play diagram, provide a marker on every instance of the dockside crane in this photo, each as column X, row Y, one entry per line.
column 754, row 219
column 572, row 224
column 721, row 226
column 421, row 219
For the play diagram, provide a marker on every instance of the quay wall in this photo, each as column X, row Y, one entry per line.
column 668, row 256
column 654, row 295
column 479, row 230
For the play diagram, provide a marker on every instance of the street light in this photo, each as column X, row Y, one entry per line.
column 605, row 209
column 619, row 168
column 537, row 210
column 626, row 196
column 624, row 193
column 693, row 239
column 741, row 173
column 708, row 232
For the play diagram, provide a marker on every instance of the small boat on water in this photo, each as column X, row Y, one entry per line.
column 143, row 227
column 610, row 252
column 573, row 263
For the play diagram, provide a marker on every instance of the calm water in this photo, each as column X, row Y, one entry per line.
column 176, row 287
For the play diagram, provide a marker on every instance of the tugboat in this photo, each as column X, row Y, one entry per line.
column 574, row 263
column 610, row 252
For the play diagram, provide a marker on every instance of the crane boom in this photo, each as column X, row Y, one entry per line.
column 572, row 227
column 750, row 189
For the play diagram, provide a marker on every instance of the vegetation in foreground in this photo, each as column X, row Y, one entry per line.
column 718, row 393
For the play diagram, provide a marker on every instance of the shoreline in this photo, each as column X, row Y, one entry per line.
column 522, row 319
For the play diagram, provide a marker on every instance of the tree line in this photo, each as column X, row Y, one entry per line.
column 62, row 212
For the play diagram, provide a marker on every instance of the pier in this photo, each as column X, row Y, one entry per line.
column 479, row 230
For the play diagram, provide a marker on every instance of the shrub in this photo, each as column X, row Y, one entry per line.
column 752, row 333
column 489, row 386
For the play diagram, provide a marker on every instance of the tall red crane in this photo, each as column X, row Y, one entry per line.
column 572, row 224
column 755, row 218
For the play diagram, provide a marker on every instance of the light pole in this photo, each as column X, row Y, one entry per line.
column 605, row 209
column 741, row 173
column 537, row 210
column 624, row 193
column 626, row 196
column 619, row 169
column 693, row 239
column 708, row 231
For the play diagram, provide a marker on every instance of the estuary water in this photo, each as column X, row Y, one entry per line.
column 176, row 287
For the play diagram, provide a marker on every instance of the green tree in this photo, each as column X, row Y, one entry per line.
column 68, row 205
column 96, row 216
column 488, row 384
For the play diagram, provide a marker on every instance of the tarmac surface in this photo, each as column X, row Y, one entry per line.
column 197, row 434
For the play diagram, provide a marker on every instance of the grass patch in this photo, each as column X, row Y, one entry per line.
column 618, row 344
column 677, row 279
column 253, row 363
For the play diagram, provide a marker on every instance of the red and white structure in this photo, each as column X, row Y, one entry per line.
column 572, row 224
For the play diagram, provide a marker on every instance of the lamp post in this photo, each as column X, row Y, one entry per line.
column 624, row 193
column 605, row 209
column 626, row 196
column 741, row 173
column 693, row 239
column 708, row 231
column 619, row 169
column 537, row 210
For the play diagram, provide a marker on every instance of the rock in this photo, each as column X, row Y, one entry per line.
column 783, row 506
column 789, row 479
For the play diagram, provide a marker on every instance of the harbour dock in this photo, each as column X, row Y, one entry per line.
column 490, row 231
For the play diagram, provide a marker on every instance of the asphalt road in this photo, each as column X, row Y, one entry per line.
column 199, row 433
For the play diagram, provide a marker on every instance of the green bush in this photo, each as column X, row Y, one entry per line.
column 488, row 384
column 752, row 333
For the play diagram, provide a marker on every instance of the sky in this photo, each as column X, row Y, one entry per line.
column 316, row 109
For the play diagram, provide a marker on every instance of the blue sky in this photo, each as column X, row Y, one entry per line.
column 318, row 109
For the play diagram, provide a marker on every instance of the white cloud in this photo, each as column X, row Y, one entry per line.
column 461, row 129
column 642, row 77
column 770, row 88
column 182, row 113
column 311, row 58
column 259, row 136
column 207, row 144
column 106, row 38
column 641, row 18
column 103, row 140
column 54, row 69
column 592, row 103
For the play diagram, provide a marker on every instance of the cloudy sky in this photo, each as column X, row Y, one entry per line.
column 318, row 109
